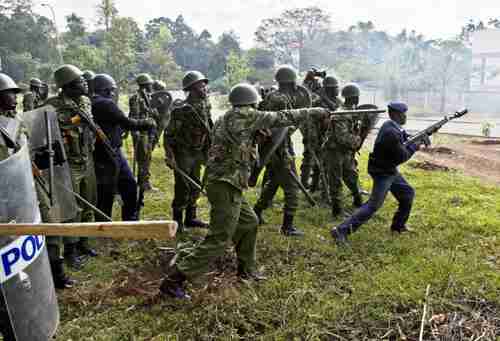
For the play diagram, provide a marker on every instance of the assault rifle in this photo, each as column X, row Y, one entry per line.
column 423, row 135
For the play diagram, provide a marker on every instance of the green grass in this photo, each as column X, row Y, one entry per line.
column 315, row 291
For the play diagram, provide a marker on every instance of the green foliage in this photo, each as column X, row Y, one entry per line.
column 120, row 41
column 237, row 69
column 86, row 57
column 315, row 290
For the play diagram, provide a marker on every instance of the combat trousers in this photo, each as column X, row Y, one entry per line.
column 54, row 243
column 142, row 155
column 231, row 219
column 382, row 184
column 185, row 195
column 84, row 183
column 127, row 188
column 307, row 166
column 279, row 176
column 340, row 166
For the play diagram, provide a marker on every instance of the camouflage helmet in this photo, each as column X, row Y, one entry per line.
column 330, row 82
column 192, row 77
column 7, row 83
column 36, row 82
column 66, row 74
column 286, row 74
column 88, row 75
column 144, row 79
column 350, row 90
column 158, row 85
column 103, row 81
column 243, row 94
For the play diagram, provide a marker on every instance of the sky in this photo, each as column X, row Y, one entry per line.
column 433, row 18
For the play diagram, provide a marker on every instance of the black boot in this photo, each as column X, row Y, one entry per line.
column 191, row 220
column 260, row 218
column 84, row 248
column 72, row 258
column 177, row 216
column 246, row 275
column 288, row 229
column 61, row 280
column 173, row 284
column 357, row 200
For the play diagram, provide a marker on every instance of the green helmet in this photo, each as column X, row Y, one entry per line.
column 286, row 74
column 7, row 83
column 158, row 85
column 36, row 82
column 144, row 79
column 350, row 90
column 243, row 94
column 88, row 75
column 66, row 74
column 330, row 82
column 192, row 77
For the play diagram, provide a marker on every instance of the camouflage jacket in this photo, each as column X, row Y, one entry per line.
column 233, row 150
column 190, row 126
column 139, row 109
column 343, row 133
column 78, row 138
column 280, row 100
column 31, row 100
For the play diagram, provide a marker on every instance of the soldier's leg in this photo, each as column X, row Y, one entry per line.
column 182, row 189
column 141, row 157
column 88, row 191
column 351, row 178
column 194, row 194
column 147, row 164
column 291, row 191
column 245, row 238
column 334, row 167
column 306, row 166
column 105, row 196
column 269, row 189
column 225, row 202
column 404, row 194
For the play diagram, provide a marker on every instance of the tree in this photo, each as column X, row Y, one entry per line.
column 106, row 12
column 228, row 42
column 76, row 27
column 237, row 69
column 293, row 31
column 120, row 42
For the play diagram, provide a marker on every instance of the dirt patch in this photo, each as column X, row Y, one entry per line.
column 429, row 166
column 486, row 142
column 439, row 150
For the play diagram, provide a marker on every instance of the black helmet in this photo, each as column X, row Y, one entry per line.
column 103, row 81
column 7, row 83
column 36, row 82
column 330, row 82
column 88, row 75
column 243, row 94
column 192, row 77
column 350, row 90
column 286, row 74
column 159, row 85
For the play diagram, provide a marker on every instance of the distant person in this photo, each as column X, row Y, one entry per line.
column 388, row 153
column 34, row 97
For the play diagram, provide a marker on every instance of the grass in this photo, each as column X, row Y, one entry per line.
column 375, row 290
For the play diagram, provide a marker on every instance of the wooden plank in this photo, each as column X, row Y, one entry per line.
column 161, row 230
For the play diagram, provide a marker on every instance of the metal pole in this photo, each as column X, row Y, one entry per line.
column 58, row 42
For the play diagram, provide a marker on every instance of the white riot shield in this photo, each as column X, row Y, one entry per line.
column 64, row 206
column 29, row 298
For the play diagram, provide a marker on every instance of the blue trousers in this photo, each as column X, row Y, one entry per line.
column 382, row 184
column 127, row 188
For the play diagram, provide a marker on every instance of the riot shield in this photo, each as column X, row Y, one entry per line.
column 64, row 206
column 29, row 304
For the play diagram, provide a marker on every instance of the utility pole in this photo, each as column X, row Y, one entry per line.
column 58, row 42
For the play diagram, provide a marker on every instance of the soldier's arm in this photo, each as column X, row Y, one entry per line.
column 117, row 116
column 343, row 135
column 133, row 107
column 286, row 118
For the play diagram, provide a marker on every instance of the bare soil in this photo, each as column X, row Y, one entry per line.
column 473, row 156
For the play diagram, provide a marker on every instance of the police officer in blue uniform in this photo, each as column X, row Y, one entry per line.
column 114, row 175
column 389, row 151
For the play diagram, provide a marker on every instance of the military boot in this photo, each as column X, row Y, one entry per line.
column 173, row 285
column 260, row 218
column 72, row 258
column 177, row 216
column 357, row 200
column 191, row 221
column 288, row 229
column 61, row 280
column 247, row 276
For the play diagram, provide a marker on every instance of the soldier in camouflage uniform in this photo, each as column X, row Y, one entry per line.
column 340, row 147
column 144, row 140
column 163, row 110
column 229, row 161
column 288, row 96
column 33, row 98
column 8, row 91
column 186, row 142
column 70, row 104
column 89, row 76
